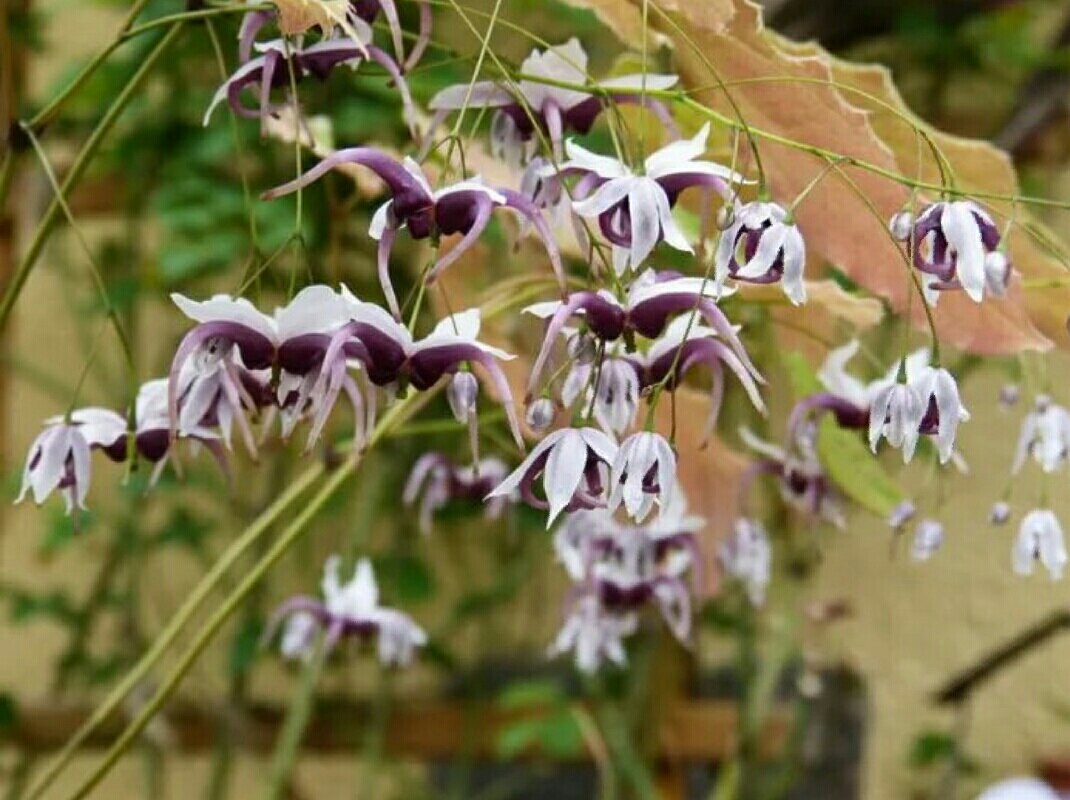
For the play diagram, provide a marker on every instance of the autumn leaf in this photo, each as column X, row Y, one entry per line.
column 803, row 104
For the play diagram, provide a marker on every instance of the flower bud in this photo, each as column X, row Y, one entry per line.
column 581, row 348
column 1000, row 513
column 726, row 215
column 902, row 514
column 997, row 273
column 1009, row 395
column 900, row 225
column 461, row 394
column 928, row 537
column 540, row 414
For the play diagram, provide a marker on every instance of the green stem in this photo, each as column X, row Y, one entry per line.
column 74, row 174
column 293, row 728
column 174, row 628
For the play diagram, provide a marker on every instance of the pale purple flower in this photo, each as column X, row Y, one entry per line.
column 928, row 538
column 347, row 610
column 571, row 462
column 152, row 435
column 1000, row 513
column 747, row 556
column 464, row 208
column 594, row 634
column 903, row 512
column 461, row 394
column 553, row 110
column 1045, row 436
column 540, row 414
column 1019, row 789
column 634, row 210
column 801, row 480
column 1040, row 538
column 943, row 407
column 1009, row 394
column 900, row 225
column 610, row 389
column 951, row 242
column 271, row 70
column 644, row 470
column 436, row 481
column 896, row 415
column 653, row 300
column 59, row 458
column 763, row 245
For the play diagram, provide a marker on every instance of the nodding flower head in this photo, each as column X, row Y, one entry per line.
column 59, row 457
column 1045, row 436
column 278, row 61
column 1040, row 538
column 436, row 481
column 462, row 208
column 747, row 556
column 634, row 211
column 643, row 471
column 611, row 389
column 594, row 634
column 537, row 104
column 763, row 245
column 956, row 243
column 347, row 610
column 571, row 462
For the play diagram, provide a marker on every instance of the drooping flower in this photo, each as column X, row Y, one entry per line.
column 594, row 634
column 1040, row 538
column 1019, row 789
column 59, row 458
column 763, row 245
column 610, row 388
column 896, row 415
column 532, row 104
column 928, row 538
column 278, row 60
column 1000, row 513
column 952, row 241
column 152, row 435
column 1045, row 436
column 463, row 208
column 801, row 480
column 643, row 471
column 634, row 210
column 436, row 481
column 571, row 462
column 747, row 556
column 391, row 357
column 652, row 301
column 347, row 610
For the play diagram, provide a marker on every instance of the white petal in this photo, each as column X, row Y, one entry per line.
column 314, row 309
column 224, row 308
column 564, row 471
column 604, row 198
column 643, row 208
column 603, row 166
column 769, row 245
column 379, row 220
column 963, row 234
column 481, row 94
column 675, row 155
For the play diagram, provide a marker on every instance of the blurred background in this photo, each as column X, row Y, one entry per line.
column 857, row 638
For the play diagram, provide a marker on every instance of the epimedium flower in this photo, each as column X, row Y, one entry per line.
column 1045, row 436
column 653, row 299
column 1040, row 538
column 634, row 210
column 465, row 208
column 644, row 470
column 571, row 463
column 686, row 345
column 610, row 388
column 747, row 556
column 763, row 244
column 594, row 634
column 278, row 60
column 391, row 356
column 59, row 458
column 436, row 481
column 357, row 17
column 532, row 104
column 347, row 610
column 956, row 242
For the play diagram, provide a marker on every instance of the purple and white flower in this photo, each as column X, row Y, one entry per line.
column 747, row 556
column 347, row 610
column 644, row 470
column 610, row 388
column 653, row 300
column 59, row 458
column 436, row 481
column 956, row 242
column 272, row 70
column 1040, row 538
column 634, row 210
column 594, row 634
column 463, row 208
column 572, row 463
column 1045, row 436
column 539, row 105
column 763, row 245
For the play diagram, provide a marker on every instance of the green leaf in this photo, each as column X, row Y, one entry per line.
column 246, row 646
column 530, row 693
column 407, row 576
column 9, row 713
column 849, row 463
column 561, row 735
column 514, row 739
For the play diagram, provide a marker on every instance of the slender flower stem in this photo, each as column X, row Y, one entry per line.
column 77, row 169
column 297, row 717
